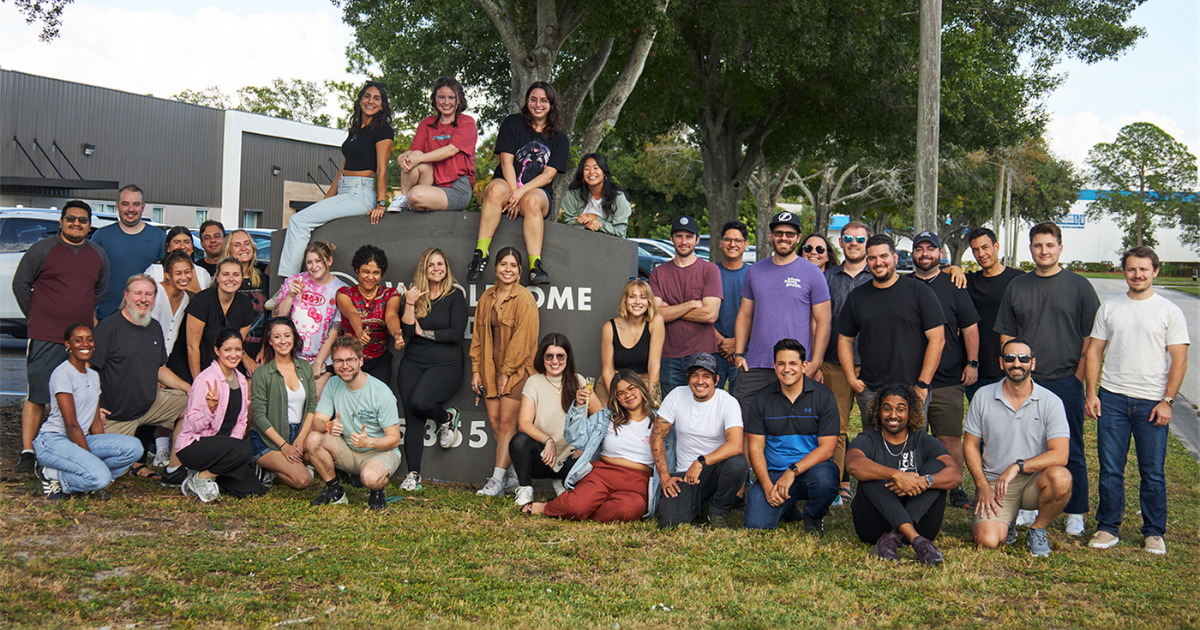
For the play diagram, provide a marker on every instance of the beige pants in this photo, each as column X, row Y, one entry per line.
column 169, row 405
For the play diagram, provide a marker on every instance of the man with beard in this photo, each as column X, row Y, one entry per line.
column 58, row 282
column 784, row 297
column 903, row 474
column 131, row 358
column 733, row 276
column 132, row 245
column 212, row 239
column 959, row 365
column 687, row 292
column 1016, row 447
column 898, row 323
column 986, row 288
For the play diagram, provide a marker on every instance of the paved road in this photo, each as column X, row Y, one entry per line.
column 12, row 370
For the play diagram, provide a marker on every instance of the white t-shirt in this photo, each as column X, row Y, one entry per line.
column 171, row 322
column 202, row 277
column 593, row 207
column 1137, row 333
column 295, row 403
column 631, row 443
column 85, row 388
column 699, row 426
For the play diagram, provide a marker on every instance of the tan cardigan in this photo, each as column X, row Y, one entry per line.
column 518, row 338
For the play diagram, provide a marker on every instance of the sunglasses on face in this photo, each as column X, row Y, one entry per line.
column 1012, row 358
column 787, row 235
column 808, row 249
column 555, row 358
column 854, row 239
column 70, row 218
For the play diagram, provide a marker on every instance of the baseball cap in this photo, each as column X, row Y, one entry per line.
column 701, row 360
column 785, row 217
column 927, row 236
column 685, row 223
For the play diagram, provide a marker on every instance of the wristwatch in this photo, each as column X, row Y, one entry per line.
column 929, row 480
column 381, row 203
column 1021, row 466
column 922, row 385
column 739, row 354
column 703, row 462
column 974, row 364
column 1170, row 401
column 794, row 468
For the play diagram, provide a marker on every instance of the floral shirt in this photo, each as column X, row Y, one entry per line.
column 371, row 313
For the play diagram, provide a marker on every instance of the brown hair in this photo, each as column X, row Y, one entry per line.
column 620, row 416
column 1140, row 251
column 1046, row 228
column 347, row 342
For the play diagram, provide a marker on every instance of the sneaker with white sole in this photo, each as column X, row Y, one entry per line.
column 1038, row 542
column 1155, row 545
column 206, row 490
column 524, row 495
column 265, row 477
column 412, row 482
column 331, row 495
column 1025, row 518
column 162, row 459
column 51, row 488
column 186, row 486
column 398, row 204
column 493, row 488
column 1103, row 540
column 1011, row 539
column 1074, row 524
column 510, row 481
column 448, row 430
column 558, row 486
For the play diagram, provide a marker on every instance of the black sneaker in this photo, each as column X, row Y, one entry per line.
column 887, row 547
column 959, row 499
column 50, row 487
column 332, row 495
column 478, row 264
column 176, row 478
column 26, row 462
column 926, row 552
column 377, row 500
column 265, row 477
column 537, row 275
column 814, row 525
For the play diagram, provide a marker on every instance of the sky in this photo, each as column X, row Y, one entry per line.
column 152, row 47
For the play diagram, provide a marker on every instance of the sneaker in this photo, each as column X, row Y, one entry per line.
column 886, row 547
column 1011, row 539
column 266, row 477
column 1025, row 518
column 1155, row 545
column 26, row 462
column 478, row 264
column 332, row 495
column 814, row 525
column 926, row 552
column 524, row 495
column 537, row 275
column 959, row 499
column 448, row 430
column 1074, row 524
column 312, row 472
column 377, row 500
column 837, row 502
column 718, row 521
column 162, row 459
column 398, row 204
column 174, row 478
column 558, row 486
column 206, row 490
column 50, row 487
column 511, row 483
column 185, row 487
column 1103, row 540
column 412, row 482
column 493, row 488
column 1038, row 544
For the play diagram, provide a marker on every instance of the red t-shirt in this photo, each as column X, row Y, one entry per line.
column 372, row 316
column 463, row 136
column 676, row 285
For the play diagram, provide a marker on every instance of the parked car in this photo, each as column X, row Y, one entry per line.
column 665, row 248
column 262, row 242
column 904, row 260
column 647, row 262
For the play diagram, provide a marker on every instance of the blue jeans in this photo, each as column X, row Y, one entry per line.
column 726, row 373
column 355, row 196
column 1070, row 391
column 979, row 384
column 107, row 457
column 817, row 487
column 1122, row 417
column 671, row 374
column 260, row 447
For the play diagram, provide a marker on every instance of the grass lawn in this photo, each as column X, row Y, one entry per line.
column 1187, row 285
column 446, row 558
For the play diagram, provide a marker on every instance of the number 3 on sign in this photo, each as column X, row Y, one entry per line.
column 478, row 438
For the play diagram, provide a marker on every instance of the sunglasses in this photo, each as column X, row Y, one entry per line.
column 808, row 249
column 71, row 218
column 787, row 235
column 555, row 358
column 1012, row 358
column 854, row 239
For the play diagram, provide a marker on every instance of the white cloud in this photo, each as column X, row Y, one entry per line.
column 1072, row 137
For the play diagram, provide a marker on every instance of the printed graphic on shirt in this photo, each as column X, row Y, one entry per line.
column 535, row 156
column 907, row 462
column 792, row 283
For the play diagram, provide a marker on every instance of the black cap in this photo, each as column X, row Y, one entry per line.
column 927, row 236
column 701, row 360
column 686, row 224
column 785, row 217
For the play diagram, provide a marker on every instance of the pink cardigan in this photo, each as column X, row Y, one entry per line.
column 198, row 421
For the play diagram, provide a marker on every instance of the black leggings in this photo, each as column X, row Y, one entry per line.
column 423, row 390
column 877, row 510
column 229, row 459
column 380, row 367
column 526, row 454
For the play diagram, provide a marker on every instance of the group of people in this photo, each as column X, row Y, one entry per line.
column 722, row 384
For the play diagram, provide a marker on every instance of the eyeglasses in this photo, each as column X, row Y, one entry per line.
column 733, row 241
column 555, row 358
column 853, row 239
column 1012, row 358
column 337, row 362
column 787, row 235
column 626, row 393
column 72, row 218
column 808, row 249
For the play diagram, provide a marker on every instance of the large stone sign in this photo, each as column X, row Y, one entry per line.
column 588, row 271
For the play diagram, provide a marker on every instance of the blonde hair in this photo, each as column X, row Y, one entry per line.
column 421, row 281
column 252, row 273
column 644, row 287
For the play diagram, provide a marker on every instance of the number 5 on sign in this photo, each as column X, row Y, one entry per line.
column 479, row 438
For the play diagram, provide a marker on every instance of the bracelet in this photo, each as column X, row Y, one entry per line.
column 548, row 440
column 329, row 426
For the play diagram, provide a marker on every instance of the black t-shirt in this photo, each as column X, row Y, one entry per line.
column 890, row 325
column 359, row 148
column 127, row 356
column 987, row 293
column 211, row 268
column 960, row 313
column 531, row 153
column 206, row 307
column 447, row 320
column 1054, row 314
column 258, row 297
column 920, row 449
column 232, row 410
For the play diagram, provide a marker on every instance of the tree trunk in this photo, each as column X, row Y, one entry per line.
column 726, row 167
column 928, row 107
column 767, row 185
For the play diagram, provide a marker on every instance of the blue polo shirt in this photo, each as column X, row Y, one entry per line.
column 792, row 428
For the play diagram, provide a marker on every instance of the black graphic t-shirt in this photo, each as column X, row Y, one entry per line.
column 907, row 457
column 531, row 153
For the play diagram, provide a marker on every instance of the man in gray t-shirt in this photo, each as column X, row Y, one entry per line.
column 1016, row 445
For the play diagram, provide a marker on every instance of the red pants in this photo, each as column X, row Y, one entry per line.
column 608, row 493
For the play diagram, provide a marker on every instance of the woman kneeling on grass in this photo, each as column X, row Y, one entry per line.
column 283, row 396
column 614, row 479
column 210, row 443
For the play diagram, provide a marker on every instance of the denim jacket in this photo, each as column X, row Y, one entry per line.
column 586, row 433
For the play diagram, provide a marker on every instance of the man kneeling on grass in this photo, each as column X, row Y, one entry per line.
column 356, row 429
column 903, row 474
column 1016, row 447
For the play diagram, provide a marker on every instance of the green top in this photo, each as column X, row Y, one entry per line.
column 268, row 399
column 613, row 224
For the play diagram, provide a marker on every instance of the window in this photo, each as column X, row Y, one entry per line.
column 201, row 216
column 251, row 218
column 110, row 207
column 156, row 214
column 18, row 234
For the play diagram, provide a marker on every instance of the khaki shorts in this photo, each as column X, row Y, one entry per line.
column 353, row 461
column 1022, row 494
column 946, row 407
column 169, row 405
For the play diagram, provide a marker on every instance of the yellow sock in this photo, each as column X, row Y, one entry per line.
column 533, row 261
column 482, row 245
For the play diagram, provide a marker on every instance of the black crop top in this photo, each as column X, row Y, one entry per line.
column 359, row 148
column 636, row 358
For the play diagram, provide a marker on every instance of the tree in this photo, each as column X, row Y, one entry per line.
column 48, row 12
column 296, row 100
column 1143, row 175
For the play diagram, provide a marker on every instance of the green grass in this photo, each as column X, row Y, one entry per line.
column 450, row 559
column 1187, row 285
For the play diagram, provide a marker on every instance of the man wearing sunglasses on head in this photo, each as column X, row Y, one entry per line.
column 1016, row 445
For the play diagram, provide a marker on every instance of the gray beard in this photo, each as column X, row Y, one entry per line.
column 140, row 320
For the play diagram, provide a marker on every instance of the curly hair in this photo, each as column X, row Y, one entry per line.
column 916, row 406
column 369, row 253
column 384, row 117
column 553, row 118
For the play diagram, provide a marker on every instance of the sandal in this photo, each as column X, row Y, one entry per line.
column 846, row 494
column 527, row 509
column 140, row 470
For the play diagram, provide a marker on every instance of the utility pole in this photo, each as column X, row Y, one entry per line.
column 928, row 113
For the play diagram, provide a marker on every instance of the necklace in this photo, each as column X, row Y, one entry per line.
column 889, row 448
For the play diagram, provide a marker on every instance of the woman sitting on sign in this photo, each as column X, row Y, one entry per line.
column 309, row 299
column 594, row 201
column 437, row 172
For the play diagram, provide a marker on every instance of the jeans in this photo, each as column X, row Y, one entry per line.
column 1070, row 391
column 817, row 487
column 671, row 374
column 979, row 384
column 726, row 374
column 1122, row 417
column 260, row 446
column 355, row 196
column 108, row 457
column 718, row 485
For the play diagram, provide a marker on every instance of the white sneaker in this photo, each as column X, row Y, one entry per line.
column 186, row 486
column 493, row 488
column 204, row 489
column 524, row 495
column 1025, row 518
column 398, row 204
column 161, row 459
column 558, row 486
column 1074, row 524
column 448, row 430
column 412, row 482
column 510, row 481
